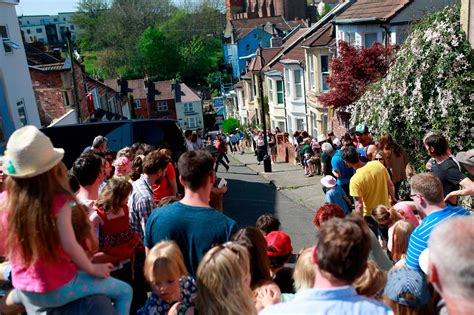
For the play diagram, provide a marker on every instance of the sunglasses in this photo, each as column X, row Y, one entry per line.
column 379, row 159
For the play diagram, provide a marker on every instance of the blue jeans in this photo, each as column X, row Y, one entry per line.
column 80, row 286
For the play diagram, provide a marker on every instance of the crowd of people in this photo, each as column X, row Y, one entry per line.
column 135, row 232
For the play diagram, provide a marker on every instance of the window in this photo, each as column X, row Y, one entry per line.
column 72, row 27
column 66, row 98
column 281, row 125
column 22, row 112
column 324, row 73
column 64, row 19
column 27, row 22
column 247, row 47
column 350, row 37
column 300, row 124
column 55, row 19
column 287, row 82
column 298, row 84
column 270, row 90
column 370, row 38
column 28, row 31
column 311, row 72
column 162, row 106
column 137, row 104
column 314, row 125
column 192, row 122
column 8, row 45
column 39, row 30
column 188, row 107
column 280, row 91
column 324, row 124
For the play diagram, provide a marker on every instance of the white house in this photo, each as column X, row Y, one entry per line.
column 276, row 102
column 384, row 21
column 48, row 29
column 189, row 108
column 17, row 100
column 294, row 94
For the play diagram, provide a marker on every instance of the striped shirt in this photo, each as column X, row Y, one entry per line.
column 420, row 236
column 140, row 203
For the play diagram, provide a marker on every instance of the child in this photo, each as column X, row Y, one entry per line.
column 123, row 168
column 335, row 193
column 36, row 210
column 117, row 241
column 168, row 278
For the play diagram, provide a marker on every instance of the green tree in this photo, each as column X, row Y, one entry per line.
column 158, row 58
column 230, row 124
column 90, row 17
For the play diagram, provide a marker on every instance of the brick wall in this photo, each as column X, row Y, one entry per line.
column 48, row 87
column 338, row 123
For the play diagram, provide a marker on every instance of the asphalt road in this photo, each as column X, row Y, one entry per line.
column 250, row 195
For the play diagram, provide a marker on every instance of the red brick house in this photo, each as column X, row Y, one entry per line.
column 150, row 99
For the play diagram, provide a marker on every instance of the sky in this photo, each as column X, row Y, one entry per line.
column 47, row 7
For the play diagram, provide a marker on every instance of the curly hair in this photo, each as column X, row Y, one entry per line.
column 326, row 212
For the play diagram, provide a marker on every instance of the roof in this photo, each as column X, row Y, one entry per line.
column 101, row 87
column 263, row 55
column 297, row 53
column 188, row 95
column 243, row 27
column 323, row 37
column 163, row 89
column 372, row 9
column 57, row 66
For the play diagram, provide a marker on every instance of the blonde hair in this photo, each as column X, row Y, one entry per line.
column 124, row 152
column 164, row 260
column 401, row 235
column 305, row 270
column 382, row 213
column 372, row 282
column 32, row 230
column 113, row 194
column 221, row 281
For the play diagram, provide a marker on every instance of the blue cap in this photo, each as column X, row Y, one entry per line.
column 361, row 128
column 407, row 280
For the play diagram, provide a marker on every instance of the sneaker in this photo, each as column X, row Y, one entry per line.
column 258, row 163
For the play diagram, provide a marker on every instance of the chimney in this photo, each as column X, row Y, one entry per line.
column 150, row 86
column 123, row 85
column 177, row 91
column 276, row 41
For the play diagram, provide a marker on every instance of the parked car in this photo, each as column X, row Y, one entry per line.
column 158, row 132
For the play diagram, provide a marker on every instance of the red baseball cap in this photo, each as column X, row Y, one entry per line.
column 278, row 244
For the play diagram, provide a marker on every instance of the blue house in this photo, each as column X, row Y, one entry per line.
column 242, row 38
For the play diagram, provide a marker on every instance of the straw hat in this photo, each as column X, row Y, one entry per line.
column 322, row 138
column 30, row 153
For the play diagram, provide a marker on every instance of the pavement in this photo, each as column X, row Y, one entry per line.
column 285, row 192
column 287, row 178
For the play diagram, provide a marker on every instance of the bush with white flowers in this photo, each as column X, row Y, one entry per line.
column 429, row 87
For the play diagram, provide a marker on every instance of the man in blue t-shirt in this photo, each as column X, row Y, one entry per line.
column 191, row 223
column 427, row 193
column 341, row 171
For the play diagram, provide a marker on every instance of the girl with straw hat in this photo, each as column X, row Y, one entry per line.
column 37, row 235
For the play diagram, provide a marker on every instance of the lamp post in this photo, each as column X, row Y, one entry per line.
column 267, row 162
column 77, row 104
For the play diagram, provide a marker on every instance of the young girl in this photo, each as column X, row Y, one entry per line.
column 165, row 271
column 398, row 245
column 38, row 236
column 223, row 279
column 116, row 240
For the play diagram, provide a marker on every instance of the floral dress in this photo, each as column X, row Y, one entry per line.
column 156, row 306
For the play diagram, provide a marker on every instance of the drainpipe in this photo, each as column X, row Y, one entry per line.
column 284, row 101
column 386, row 35
column 304, row 96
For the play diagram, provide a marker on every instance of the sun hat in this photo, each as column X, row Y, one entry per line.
column 322, row 138
column 278, row 244
column 328, row 181
column 30, row 153
column 407, row 280
column 361, row 128
column 466, row 157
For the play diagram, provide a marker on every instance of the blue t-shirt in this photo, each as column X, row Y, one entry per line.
column 421, row 235
column 338, row 165
column 336, row 195
column 194, row 229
